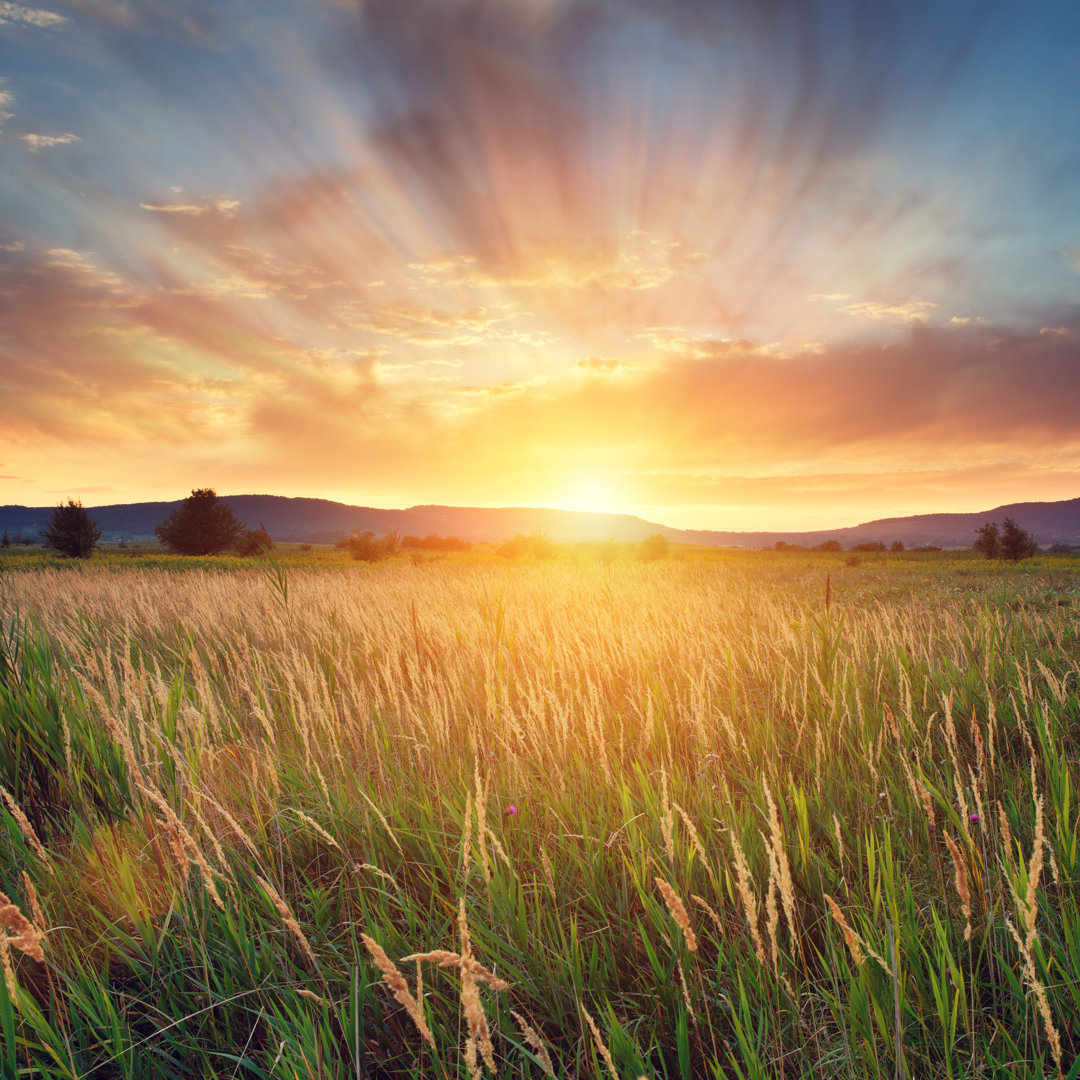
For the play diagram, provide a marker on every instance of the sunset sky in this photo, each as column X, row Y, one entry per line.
column 733, row 265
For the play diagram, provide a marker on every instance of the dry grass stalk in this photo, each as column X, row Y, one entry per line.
column 375, row 870
column 466, row 843
column 685, row 991
column 475, row 1018
column 191, row 848
column 856, row 945
column 27, row 830
column 379, row 814
column 787, row 888
column 21, row 933
column 1031, row 900
column 746, row 895
column 549, row 876
column 480, row 805
column 316, row 828
column 605, row 1053
column 717, row 921
column 667, row 818
column 535, row 1042
column 1006, row 832
column 839, row 839
column 962, row 887
column 36, row 914
column 678, row 913
column 928, row 806
column 772, row 915
column 290, row 924
column 1042, row 1002
column 695, row 839
column 398, row 987
column 443, row 958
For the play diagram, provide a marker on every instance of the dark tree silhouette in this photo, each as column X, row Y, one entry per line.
column 987, row 540
column 1015, row 543
column 201, row 525
column 71, row 531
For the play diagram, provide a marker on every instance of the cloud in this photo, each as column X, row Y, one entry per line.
column 907, row 311
column 41, row 142
column 17, row 13
column 219, row 206
column 16, row 245
column 7, row 98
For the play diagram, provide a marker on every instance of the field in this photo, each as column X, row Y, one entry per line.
column 729, row 815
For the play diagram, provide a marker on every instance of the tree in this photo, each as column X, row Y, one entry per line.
column 71, row 531
column 653, row 547
column 6, row 542
column 987, row 540
column 828, row 545
column 201, row 525
column 896, row 546
column 1015, row 543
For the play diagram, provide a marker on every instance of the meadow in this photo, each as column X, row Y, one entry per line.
column 736, row 814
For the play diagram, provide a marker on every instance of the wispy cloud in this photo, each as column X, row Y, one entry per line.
column 218, row 206
column 906, row 311
column 43, row 142
column 17, row 13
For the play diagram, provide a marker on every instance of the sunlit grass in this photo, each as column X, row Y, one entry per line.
column 668, row 819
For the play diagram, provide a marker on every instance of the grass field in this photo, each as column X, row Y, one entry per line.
column 703, row 817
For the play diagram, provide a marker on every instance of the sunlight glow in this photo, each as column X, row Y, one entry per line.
column 591, row 491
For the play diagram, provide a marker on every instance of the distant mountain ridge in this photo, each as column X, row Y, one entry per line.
column 322, row 521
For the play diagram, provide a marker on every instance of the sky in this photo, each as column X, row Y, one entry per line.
column 728, row 264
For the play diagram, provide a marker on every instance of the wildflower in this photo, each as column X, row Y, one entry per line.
column 973, row 817
column 511, row 810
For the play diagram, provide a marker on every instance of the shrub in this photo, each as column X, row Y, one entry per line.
column 71, row 531
column 653, row 547
column 828, row 545
column 896, row 546
column 254, row 542
column 366, row 547
column 537, row 546
column 868, row 546
column 201, row 525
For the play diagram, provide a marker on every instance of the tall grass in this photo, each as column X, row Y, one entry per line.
column 676, row 819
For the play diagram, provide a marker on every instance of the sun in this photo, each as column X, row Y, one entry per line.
column 592, row 491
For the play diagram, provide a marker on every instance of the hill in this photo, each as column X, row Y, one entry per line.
column 317, row 521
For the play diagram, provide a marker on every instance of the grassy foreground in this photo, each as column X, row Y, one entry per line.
column 676, row 819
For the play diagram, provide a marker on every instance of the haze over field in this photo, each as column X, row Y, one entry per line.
column 724, row 266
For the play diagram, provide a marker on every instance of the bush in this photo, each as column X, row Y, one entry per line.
column 868, row 546
column 537, row 546
column 254, row 542
column 201, row 525
column 653, row 547
column 71, row 531
column 366, row 547
column 896, row 546
column 828, row 545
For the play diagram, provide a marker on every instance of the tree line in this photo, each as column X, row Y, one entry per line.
column 204, row 525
